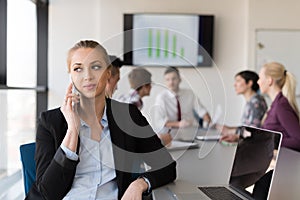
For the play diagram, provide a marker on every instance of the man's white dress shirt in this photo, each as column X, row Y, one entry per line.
column 166, row 108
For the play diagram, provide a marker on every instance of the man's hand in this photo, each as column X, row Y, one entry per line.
column 166, row 138
column 184, row 123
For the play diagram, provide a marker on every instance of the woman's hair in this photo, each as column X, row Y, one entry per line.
column 248, row 75
column 284, row 80
column 86, row 44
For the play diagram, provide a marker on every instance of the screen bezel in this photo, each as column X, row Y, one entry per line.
column 205, row 38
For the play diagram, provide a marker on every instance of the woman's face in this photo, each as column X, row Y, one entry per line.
column 263, row 81
column 241, row 86
column 89, row 72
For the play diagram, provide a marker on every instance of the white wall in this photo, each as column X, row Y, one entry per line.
column 72, row 20
column 271, row 14
column 69, row 21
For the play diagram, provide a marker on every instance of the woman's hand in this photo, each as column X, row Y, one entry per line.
column 228, row 133
column 225, row 130
column 232, row 138
column 135, row 190
column 69, row 109
column 70, row 113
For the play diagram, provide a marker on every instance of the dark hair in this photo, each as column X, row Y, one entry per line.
column 115, row 64
column 172, row 69
column 115, row 61
column 248, row 75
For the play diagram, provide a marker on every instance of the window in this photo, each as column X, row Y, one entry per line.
column 21, row 43
column 23, row 75
column 17, row 125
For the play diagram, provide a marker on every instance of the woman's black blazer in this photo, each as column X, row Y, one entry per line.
column 132, row 138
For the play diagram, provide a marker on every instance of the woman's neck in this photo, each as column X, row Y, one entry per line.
column 273, row 92
column 249, row 94
column 91, row 110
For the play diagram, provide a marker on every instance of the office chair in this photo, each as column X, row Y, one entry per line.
column 198, row 118
column 27, row 152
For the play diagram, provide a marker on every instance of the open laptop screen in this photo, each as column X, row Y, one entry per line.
column 255, row 158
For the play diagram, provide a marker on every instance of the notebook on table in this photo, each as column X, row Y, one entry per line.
column 254, row 164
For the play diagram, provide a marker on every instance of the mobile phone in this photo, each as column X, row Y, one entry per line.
column 74, row 91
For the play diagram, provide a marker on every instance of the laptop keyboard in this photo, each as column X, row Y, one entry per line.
column 219, row 193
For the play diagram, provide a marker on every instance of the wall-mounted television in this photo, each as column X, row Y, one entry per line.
column 181, row 40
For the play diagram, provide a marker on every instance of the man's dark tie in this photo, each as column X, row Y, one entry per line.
column 178, row 109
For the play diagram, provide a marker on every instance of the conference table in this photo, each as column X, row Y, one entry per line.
column 211, row 162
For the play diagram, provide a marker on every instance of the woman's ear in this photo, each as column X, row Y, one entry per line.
column 250, row 83
column 270, row 81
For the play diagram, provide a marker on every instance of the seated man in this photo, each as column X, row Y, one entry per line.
column 140, row 83
column 176, row 105
column 111, row 84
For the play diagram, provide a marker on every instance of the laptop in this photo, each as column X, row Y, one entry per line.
column 252, row 171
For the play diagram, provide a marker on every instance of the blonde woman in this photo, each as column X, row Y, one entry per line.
column 283, row 116
column 88, row 148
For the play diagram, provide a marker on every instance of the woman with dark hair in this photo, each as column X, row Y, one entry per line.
column 255, row 108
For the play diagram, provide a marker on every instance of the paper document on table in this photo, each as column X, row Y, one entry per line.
column 179, row 145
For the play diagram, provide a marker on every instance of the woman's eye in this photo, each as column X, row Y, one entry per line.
column 96, row 67
column 77, row 69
